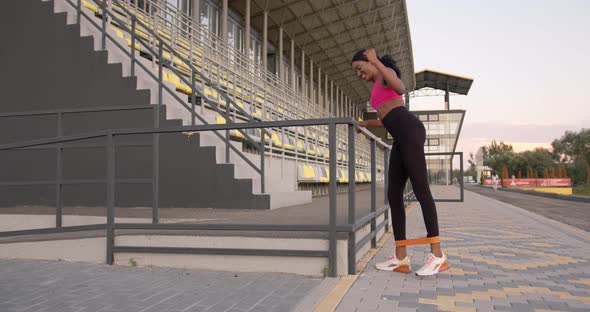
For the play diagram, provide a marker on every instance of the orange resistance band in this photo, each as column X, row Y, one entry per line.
column 418, row 241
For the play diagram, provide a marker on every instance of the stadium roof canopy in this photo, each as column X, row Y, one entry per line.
column 331, row 31
column 442, row 81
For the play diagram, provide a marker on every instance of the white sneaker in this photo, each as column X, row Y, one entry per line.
column 394, row 265
column 433, row 265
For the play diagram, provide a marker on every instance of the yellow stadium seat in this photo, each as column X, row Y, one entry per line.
column 234, row 133
column 310, row 151
column 276, row 141
column 362, row 177
column 325, row 178
column 172, row 78
column 91, row 6
column 300, row 147
column 308, row 171
column 343, row 176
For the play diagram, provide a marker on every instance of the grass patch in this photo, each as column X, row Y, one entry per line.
column 583, row 190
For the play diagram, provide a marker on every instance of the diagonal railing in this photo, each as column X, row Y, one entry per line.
column 223, row 62
column 162, row 44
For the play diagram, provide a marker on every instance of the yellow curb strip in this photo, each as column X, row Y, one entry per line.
column 333, row 298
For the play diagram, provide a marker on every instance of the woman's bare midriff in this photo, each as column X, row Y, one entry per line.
column 386, row 107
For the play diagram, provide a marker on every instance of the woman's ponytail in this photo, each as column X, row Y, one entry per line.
column 388, row 61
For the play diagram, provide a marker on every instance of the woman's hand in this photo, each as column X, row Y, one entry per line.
column 363, row 124
column 371, row 56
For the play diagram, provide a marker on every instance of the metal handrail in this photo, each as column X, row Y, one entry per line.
column 333, row 228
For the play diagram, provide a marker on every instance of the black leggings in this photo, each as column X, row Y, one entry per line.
column 408, row 161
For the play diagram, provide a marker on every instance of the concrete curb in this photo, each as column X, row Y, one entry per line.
column 548, row 195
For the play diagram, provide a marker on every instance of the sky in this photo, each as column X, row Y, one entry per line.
column 530, row 61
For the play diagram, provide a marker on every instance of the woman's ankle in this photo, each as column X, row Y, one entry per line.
column 435, row 250
column 400, row 253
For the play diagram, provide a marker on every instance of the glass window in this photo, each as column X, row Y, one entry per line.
column 254, row 50
column 213, row 14
column 433, row 117
column 433, row 142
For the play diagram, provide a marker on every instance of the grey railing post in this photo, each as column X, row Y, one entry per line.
column 160, row 74
column 351, row 200
column 156, row 169
column 373, row 193
column 461, row 176
column 386, row 184
column 104, row 25
column 78, row 11
column 58, row 175
column 110, row 196
column 133, row 21
column 227, row 143
column 262, row 168
column 193, row 97
column 332, row 240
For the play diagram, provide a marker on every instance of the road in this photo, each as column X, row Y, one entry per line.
column 574, row 213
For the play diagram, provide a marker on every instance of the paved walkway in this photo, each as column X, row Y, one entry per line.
column 574, row 213
column 503, row 259
column 52, row 286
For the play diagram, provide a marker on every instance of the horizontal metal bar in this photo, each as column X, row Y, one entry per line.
column 446, row 200
column 364, row 241
column 381, row 210
column 76, row 110
column 27, row 183
column 370, row 236
column 216, row 127
column 74, row 182
column 443, row 154
column 69, row 138
column 362, row 221
column 133, row 181
column 223, row 251
column 230, row 227
column 79, row 146
column 63, row 229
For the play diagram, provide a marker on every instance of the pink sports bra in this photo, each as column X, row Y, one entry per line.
column 381, row 94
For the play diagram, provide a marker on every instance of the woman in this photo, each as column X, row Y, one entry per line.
column 407, row 160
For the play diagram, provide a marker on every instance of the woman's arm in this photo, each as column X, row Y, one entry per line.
column 388, row 74
column 373, row 123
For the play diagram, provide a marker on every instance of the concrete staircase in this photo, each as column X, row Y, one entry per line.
column 55, row 64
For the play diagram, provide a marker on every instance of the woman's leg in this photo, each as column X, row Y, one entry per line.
column 395, row 195
column 414, row 162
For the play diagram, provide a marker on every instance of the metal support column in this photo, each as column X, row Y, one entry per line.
column 281, row 69
column 292, row 62
column 224, row 11
column 265, row 40
column 332, row 241
column 373, row 193
column 351, row 200
column 247, row 33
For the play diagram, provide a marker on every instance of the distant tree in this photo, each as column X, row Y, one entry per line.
column 519, row 174
column 545, row 173
column 552, row 173
column 504, row 172
column 574, row 147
